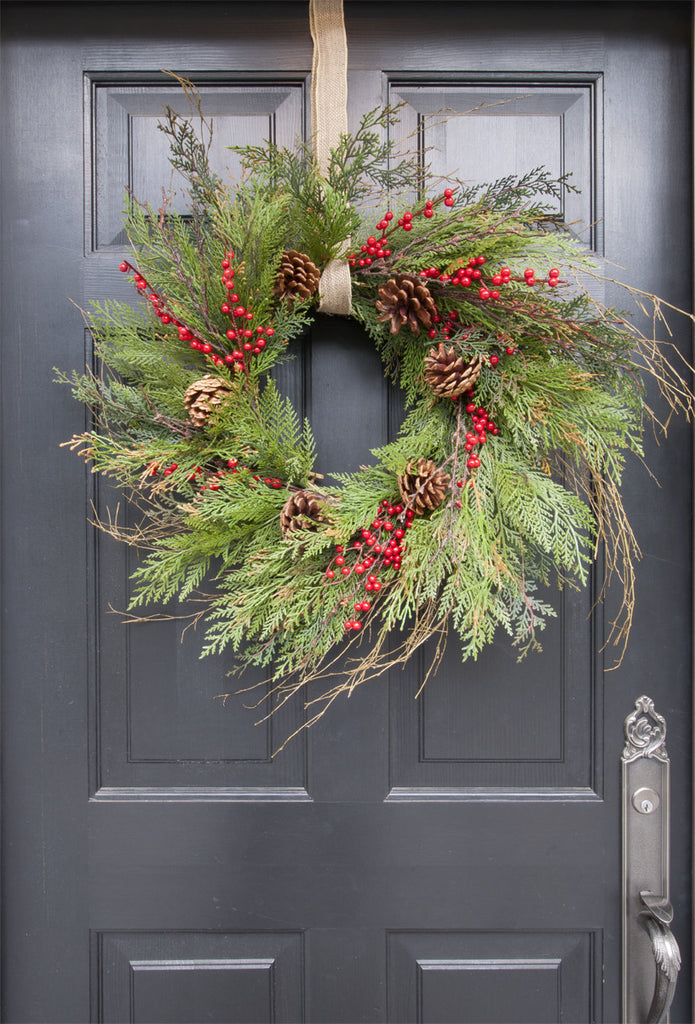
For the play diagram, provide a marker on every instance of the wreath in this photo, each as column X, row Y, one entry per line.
column 524, row 395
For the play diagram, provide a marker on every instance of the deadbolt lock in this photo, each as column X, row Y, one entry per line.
column 645, row 800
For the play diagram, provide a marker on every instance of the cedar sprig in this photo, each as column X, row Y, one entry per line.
column 562, row 378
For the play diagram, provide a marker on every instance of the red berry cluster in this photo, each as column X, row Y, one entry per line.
column 488, row 287
column 373, row 247
column 379, row 546
column 553, row 277
column 377, row 248
column 251, row 341
column 482, row 426
column 232, row 469
column 449, row 325
column 472, row 274
column 214, row 484
column 161, row 310
column 154, row 468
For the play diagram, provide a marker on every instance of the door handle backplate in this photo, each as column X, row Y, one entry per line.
column 651, row 959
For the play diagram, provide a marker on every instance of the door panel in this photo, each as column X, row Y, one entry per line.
column 453, row 857
column 459, row 978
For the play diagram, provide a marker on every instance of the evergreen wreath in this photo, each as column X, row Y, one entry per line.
column 524, row 395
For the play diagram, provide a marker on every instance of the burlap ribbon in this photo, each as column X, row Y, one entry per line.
column 328, row 121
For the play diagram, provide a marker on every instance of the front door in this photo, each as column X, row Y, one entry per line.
column 455, row 858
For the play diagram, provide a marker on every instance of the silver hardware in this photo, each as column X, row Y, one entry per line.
column 656, row 920
column 651, row 959
column 645, row 800
column 645, row 733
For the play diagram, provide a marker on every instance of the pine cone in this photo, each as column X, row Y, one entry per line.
column 423, row 486
column 297, row 278
column 450, row 375
column 202, row 396
column 301, row 511
column 405, row 299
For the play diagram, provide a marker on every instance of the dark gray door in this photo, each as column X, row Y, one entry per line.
column 450, row 859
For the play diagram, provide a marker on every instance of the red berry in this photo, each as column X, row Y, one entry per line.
column 123, row 267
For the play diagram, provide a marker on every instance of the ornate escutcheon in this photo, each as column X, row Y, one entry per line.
column 651, row 958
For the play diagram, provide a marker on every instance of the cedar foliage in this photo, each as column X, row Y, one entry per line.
column 569, row 405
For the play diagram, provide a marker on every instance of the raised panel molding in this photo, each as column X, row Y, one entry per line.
column 476, row 126
column 126, row 151
column 159, row 728
column 498, row 977
column 495, row 729
column 179, row 977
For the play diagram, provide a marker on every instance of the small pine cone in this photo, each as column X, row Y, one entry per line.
column 404, row 299
column 301, row 511
column 450, row 375
column 202, row 396
column 423, row 486
column 297, row 278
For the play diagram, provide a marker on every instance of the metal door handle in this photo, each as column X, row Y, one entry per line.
column 656, row 919
column 648, row 943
